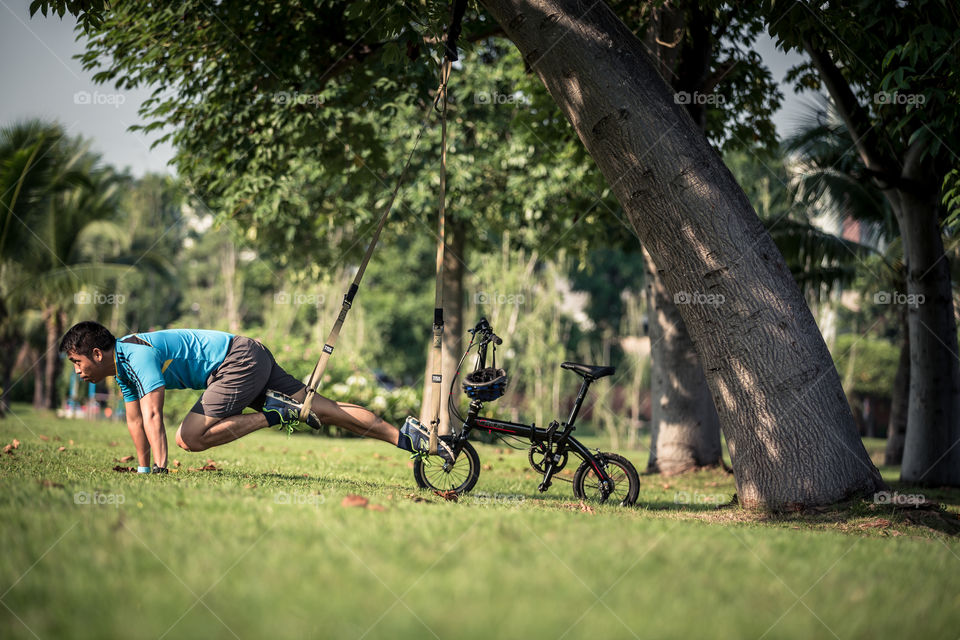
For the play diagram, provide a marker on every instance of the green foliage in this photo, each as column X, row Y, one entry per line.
column 607, row 275
column 709, row 45
column 872, row 361
column 898, row 65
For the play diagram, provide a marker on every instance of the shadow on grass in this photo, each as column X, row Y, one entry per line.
column 867, row 516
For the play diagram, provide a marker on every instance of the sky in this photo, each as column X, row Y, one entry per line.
column 41, row 79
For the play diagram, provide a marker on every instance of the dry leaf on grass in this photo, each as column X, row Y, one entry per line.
column 353, row 500
column 450, row 495
column 8, row 449
column 125, row 459
column 176, row 463
column 61, row 449
column 15, row 444
column 417, row 498
column 582, row 506
column 875, row 523
column 124, row 469
column 44, row 438
column 114, row 444
column 50, row 484
column 206, row 467
column 249, row 486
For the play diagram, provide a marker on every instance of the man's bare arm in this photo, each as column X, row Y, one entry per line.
column 139, row 436
column 151, row 406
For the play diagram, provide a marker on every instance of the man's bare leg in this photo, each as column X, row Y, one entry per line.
column 351, row 417
column 198, row 432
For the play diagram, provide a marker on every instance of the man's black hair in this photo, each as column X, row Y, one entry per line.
column 84, row 337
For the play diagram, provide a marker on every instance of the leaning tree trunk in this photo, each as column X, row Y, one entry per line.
column 787, row 423
column 931, row 455
column 683, row 417
column 897, row 426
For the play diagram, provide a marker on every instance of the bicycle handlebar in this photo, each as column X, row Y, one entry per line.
column 485, row 333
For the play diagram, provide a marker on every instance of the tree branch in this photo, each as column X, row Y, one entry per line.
column 853, row 114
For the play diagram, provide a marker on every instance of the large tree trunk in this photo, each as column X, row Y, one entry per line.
column 897, row 427
column 683, row 417
column 787, row 423
column 930, row 452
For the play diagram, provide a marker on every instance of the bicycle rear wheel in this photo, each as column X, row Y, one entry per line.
column 461, row 476
column 626, row 481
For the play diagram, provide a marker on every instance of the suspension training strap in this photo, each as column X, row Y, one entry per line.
column 436, row 378
column 331, row 342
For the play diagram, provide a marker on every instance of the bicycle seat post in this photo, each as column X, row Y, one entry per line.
column 575, row 411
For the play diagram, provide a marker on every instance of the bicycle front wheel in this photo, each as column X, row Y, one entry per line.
column 626, row 481
column 460, row 477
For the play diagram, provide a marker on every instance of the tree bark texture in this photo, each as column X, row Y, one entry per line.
column 685, row 427
column 454, row 268
column 787, row 423
column 53, row 321
column 897, row 426
column 931, row 453
column 681, row 407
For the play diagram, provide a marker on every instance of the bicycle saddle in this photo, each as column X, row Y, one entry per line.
column 588, row 370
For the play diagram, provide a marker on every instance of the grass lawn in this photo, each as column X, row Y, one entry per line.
column 263, row 547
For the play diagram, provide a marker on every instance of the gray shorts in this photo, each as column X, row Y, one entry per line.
column 243, row 379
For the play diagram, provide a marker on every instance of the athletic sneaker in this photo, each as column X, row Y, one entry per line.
column 289, row 411
column 414, row 437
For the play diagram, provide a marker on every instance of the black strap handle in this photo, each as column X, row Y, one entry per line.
column 453, row 33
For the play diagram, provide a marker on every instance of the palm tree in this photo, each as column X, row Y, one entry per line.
column 58, row 202
column 830, row 179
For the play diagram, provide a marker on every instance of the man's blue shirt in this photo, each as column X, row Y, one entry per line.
column 173, row 358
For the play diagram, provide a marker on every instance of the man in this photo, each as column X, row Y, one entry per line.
column 234, row 371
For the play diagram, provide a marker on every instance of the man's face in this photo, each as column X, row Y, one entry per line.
column 92, row 368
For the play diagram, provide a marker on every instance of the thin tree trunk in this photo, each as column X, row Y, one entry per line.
column 8, row 360
column 687, row 424
column 53, row 321
column 228, row 267
column 931, row 455
column 38, row 377
column 685, row 420
column 454, row 260
column 897, row 427
column 655, row 333
column 786, row 421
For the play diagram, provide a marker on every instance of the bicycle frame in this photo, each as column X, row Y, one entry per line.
column 556, row 447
